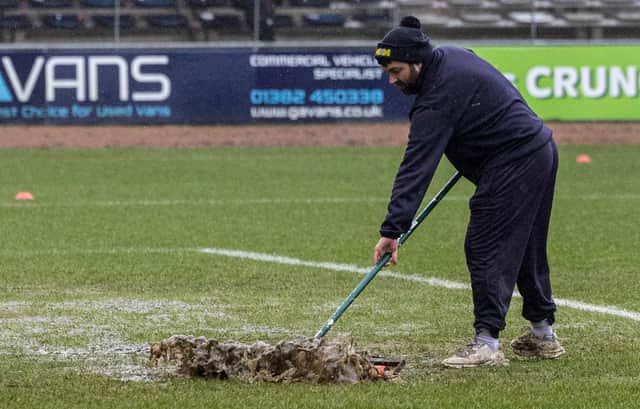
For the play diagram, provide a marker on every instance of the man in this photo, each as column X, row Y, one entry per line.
column 465, row 109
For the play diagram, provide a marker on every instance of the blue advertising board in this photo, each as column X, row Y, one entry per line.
column 195, row 86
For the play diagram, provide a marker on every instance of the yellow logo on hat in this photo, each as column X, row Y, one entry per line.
column 385, row 52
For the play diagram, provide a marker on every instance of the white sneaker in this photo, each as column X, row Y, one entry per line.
column 476, row 354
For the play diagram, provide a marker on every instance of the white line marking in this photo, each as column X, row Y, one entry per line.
column 269, row 201
column 603, row 309
column 116, row 250
column 436, row 282
column 222, row 202
column 432, row 281
column 197, row 202
column 263, row 257
column 100, row 327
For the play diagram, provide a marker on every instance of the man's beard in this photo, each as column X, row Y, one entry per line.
column 409, row 87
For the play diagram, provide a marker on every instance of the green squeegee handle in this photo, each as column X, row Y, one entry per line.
column 386, row 257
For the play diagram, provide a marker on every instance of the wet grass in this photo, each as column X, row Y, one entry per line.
column 104, row 261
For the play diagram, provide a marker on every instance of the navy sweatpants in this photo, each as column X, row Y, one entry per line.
column 506, row 241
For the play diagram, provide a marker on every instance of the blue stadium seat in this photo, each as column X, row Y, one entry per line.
column 283, row 21
column 99, row 3
column 310, row 3
column 167, row 20
column 376, row 17
column 324, row 20
column 15, row 22
column 8, row 4
column 207, row 3
column 219, row 21
column 127, row 21
column 50, row 4
column 63, row 21
column 155, row 3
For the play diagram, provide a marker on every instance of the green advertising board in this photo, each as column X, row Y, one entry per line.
column 573, row 82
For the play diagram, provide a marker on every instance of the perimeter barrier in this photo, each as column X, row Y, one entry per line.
column 248, row 85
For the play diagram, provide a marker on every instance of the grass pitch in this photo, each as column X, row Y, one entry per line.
column 109, row 257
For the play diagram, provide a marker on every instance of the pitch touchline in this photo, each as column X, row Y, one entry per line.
column 435, row 282
column 269, row 201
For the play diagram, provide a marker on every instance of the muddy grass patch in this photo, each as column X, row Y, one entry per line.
column 308, row 360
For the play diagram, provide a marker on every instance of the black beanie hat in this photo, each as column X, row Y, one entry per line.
column 406, row 43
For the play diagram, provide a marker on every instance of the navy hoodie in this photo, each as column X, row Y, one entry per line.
column 467, row 110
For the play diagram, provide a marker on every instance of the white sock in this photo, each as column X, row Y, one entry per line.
column 484, row 337
column 541, row 328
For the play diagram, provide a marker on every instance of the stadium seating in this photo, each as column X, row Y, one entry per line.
column 51, row 4
column 570, row 3
column 331, row 20
column 481, row 18
column 310, row 3
column 472, row 4
column 219, row 21
column 321, row 19
column 283, row 21
column 155, row 3
column 167, row 20
column 207, row 3
column 14, row 22
column 528, row 17
column 8, row 4
column 583, row 18
column 61, row 21
column 127, row 21
column 619, row 2
column 629, row 17
column 99, row 3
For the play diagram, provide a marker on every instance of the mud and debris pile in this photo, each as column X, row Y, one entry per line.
column 302, row 360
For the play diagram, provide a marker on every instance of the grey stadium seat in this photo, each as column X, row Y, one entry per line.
column 570, row 3
column 525, row 4
column 629, row 17
column 618, row 2
column 467, row 4
column 527, row 17
column 434, row 20
column 481, row 18
column 584, row 18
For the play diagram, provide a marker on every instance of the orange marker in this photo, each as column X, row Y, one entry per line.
column 583, row 158
column 24, row 196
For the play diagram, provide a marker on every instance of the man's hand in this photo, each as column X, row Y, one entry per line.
column 386, row 245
